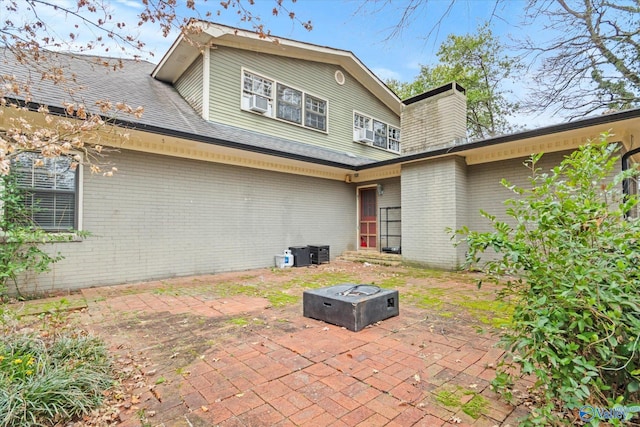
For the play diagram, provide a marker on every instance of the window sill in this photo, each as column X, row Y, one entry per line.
column 56, row 237
column 366, row 144
column 278, row 119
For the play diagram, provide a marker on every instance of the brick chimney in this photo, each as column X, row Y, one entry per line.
column 435, row 119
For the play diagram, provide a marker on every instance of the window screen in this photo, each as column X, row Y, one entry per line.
column 50, row 190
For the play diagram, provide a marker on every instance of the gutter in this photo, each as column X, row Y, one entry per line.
column 59, row 111
column 562, row 127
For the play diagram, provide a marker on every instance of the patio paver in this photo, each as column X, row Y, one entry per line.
column 283, row 369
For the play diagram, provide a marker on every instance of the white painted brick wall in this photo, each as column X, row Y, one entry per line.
column 433, row 122
column 487, row 193
column 433, row 199
column 160, row 217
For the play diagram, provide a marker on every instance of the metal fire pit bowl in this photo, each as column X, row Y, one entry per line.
column 350, row 305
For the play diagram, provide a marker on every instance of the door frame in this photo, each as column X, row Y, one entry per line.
column 358, row 212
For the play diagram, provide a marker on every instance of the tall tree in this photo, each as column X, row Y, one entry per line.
column 477, row 62
column 593, row 61
column 585, row 56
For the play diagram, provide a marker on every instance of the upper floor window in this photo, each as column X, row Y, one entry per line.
column 284, row 103
column 289, row 103
column 257, row 85
column 379, row 134
column 394, row 139
column 315, row 112
column 375, row 132
column 50, row 190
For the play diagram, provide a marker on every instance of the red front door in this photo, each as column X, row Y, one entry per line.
column 368, row 218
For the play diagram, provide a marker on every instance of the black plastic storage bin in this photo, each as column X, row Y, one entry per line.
column 319, row 254
column 301, row 256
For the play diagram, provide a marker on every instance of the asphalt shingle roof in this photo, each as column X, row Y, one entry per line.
column 165, row 111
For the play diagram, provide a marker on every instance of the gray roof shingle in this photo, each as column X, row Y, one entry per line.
column 165, row 111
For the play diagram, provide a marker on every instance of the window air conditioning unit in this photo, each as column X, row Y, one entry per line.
column 365, row 135
column 258, row 103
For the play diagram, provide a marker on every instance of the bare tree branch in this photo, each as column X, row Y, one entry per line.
column 592, row 64
column 28, row 40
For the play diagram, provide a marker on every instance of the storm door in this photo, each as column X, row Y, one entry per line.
column 368, row 218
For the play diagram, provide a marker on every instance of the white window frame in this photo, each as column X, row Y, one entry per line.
column 289, row 104
column 249, row 92
column 388, row 132
column 394, row 139
column 361, row 121
column 78, row 193
column 315, row 112
column 260, row 85
column 274, row 101
column 380, row 139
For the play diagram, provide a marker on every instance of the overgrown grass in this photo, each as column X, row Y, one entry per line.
column 278, row 293
column 51, row 381
column 239, row 321
column 320, row 280
column 281, row 299
column 431, row 298
column 490, row 312
column 452, row 398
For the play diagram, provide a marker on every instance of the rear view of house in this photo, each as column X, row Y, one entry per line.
column 249, row 146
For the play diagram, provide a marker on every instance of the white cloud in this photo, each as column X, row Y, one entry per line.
column 130, row 3
column 385, row 74
column 59, row 24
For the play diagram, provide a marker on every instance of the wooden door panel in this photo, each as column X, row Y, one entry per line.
column 368, row 218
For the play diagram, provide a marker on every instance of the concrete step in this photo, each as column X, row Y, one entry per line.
column 373, row 257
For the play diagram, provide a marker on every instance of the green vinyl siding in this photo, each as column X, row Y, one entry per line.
column 314, row 78
column 189, row 85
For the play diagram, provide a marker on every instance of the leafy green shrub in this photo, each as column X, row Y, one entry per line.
column 20, row 239
column 569, row 260
column 49, row 382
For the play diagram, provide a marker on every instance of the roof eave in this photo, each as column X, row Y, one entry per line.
column 189, row 136
column 596, row 121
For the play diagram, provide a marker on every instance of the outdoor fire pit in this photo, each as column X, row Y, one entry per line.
column 350, row 305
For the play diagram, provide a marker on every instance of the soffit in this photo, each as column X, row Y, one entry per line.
column 625, row 131
column 623, row 126
column 166, row 145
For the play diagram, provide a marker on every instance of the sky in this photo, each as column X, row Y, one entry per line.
column 365, row 30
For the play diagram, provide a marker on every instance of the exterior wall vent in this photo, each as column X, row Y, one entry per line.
column 259, row 103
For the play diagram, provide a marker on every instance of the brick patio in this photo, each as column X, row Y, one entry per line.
column 282, row 369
